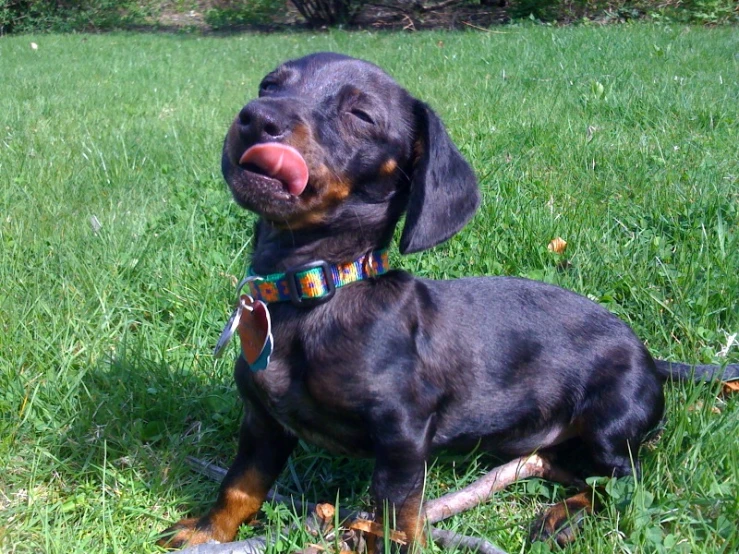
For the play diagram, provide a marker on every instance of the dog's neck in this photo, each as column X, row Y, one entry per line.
column 353, row 231
column 277, row 250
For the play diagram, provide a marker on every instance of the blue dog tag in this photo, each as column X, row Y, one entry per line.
column 263, row 360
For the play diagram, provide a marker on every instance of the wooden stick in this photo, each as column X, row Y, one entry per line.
column 497, row 479
column 449, row 539
column 256, row 545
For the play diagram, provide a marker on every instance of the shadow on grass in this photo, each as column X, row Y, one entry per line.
column 138, row 420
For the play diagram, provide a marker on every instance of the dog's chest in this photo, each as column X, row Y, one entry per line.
column 312, row 406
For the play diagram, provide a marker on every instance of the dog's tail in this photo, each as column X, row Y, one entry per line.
column 687, row 372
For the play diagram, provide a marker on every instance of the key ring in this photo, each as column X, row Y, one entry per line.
column 244, row 281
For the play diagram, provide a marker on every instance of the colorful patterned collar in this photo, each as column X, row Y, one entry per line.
column 315, row 282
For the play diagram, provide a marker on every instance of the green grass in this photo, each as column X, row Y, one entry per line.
column 622, row 140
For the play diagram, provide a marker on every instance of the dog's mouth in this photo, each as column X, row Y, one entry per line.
column 278, row 162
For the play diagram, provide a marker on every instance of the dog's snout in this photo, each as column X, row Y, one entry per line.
column 262, row 122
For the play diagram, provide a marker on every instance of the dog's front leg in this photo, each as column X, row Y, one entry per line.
column 264, row 447
column 397, row 485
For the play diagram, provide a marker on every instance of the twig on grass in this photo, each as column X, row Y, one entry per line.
column 496, row 479
column 258, row 545
column 449, row 539
column 255, row 545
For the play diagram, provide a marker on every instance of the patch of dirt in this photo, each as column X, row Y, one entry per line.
column 192, row 19
column 410, row 15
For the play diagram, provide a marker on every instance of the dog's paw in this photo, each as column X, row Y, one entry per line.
column 561, row 522
column 186, row 532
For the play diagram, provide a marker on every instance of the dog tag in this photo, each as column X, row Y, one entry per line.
column 255, row 331
column 228, row 330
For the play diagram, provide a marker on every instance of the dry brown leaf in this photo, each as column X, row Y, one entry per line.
column 366, row 526
column 376, row 529
column 325, row 511
column 730, row 387
column 557, row 245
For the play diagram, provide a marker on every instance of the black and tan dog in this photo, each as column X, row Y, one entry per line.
column 391, row 366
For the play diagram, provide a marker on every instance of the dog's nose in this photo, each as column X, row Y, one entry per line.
column 263, row 122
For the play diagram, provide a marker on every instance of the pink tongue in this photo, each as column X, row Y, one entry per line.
column 281, row 162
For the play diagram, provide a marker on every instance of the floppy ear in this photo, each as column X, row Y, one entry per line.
column 443, row 191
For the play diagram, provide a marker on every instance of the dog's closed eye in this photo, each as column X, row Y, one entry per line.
column 363, row 115
column 268, row 86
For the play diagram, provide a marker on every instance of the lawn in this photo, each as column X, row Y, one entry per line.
column 119, row 249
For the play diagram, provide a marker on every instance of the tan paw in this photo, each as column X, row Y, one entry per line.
column 186, row 532
column 561, row 522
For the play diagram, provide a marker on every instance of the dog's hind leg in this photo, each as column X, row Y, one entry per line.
column 560, row 522
column 611, row 432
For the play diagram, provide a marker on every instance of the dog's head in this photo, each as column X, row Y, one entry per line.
column 333, row 141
